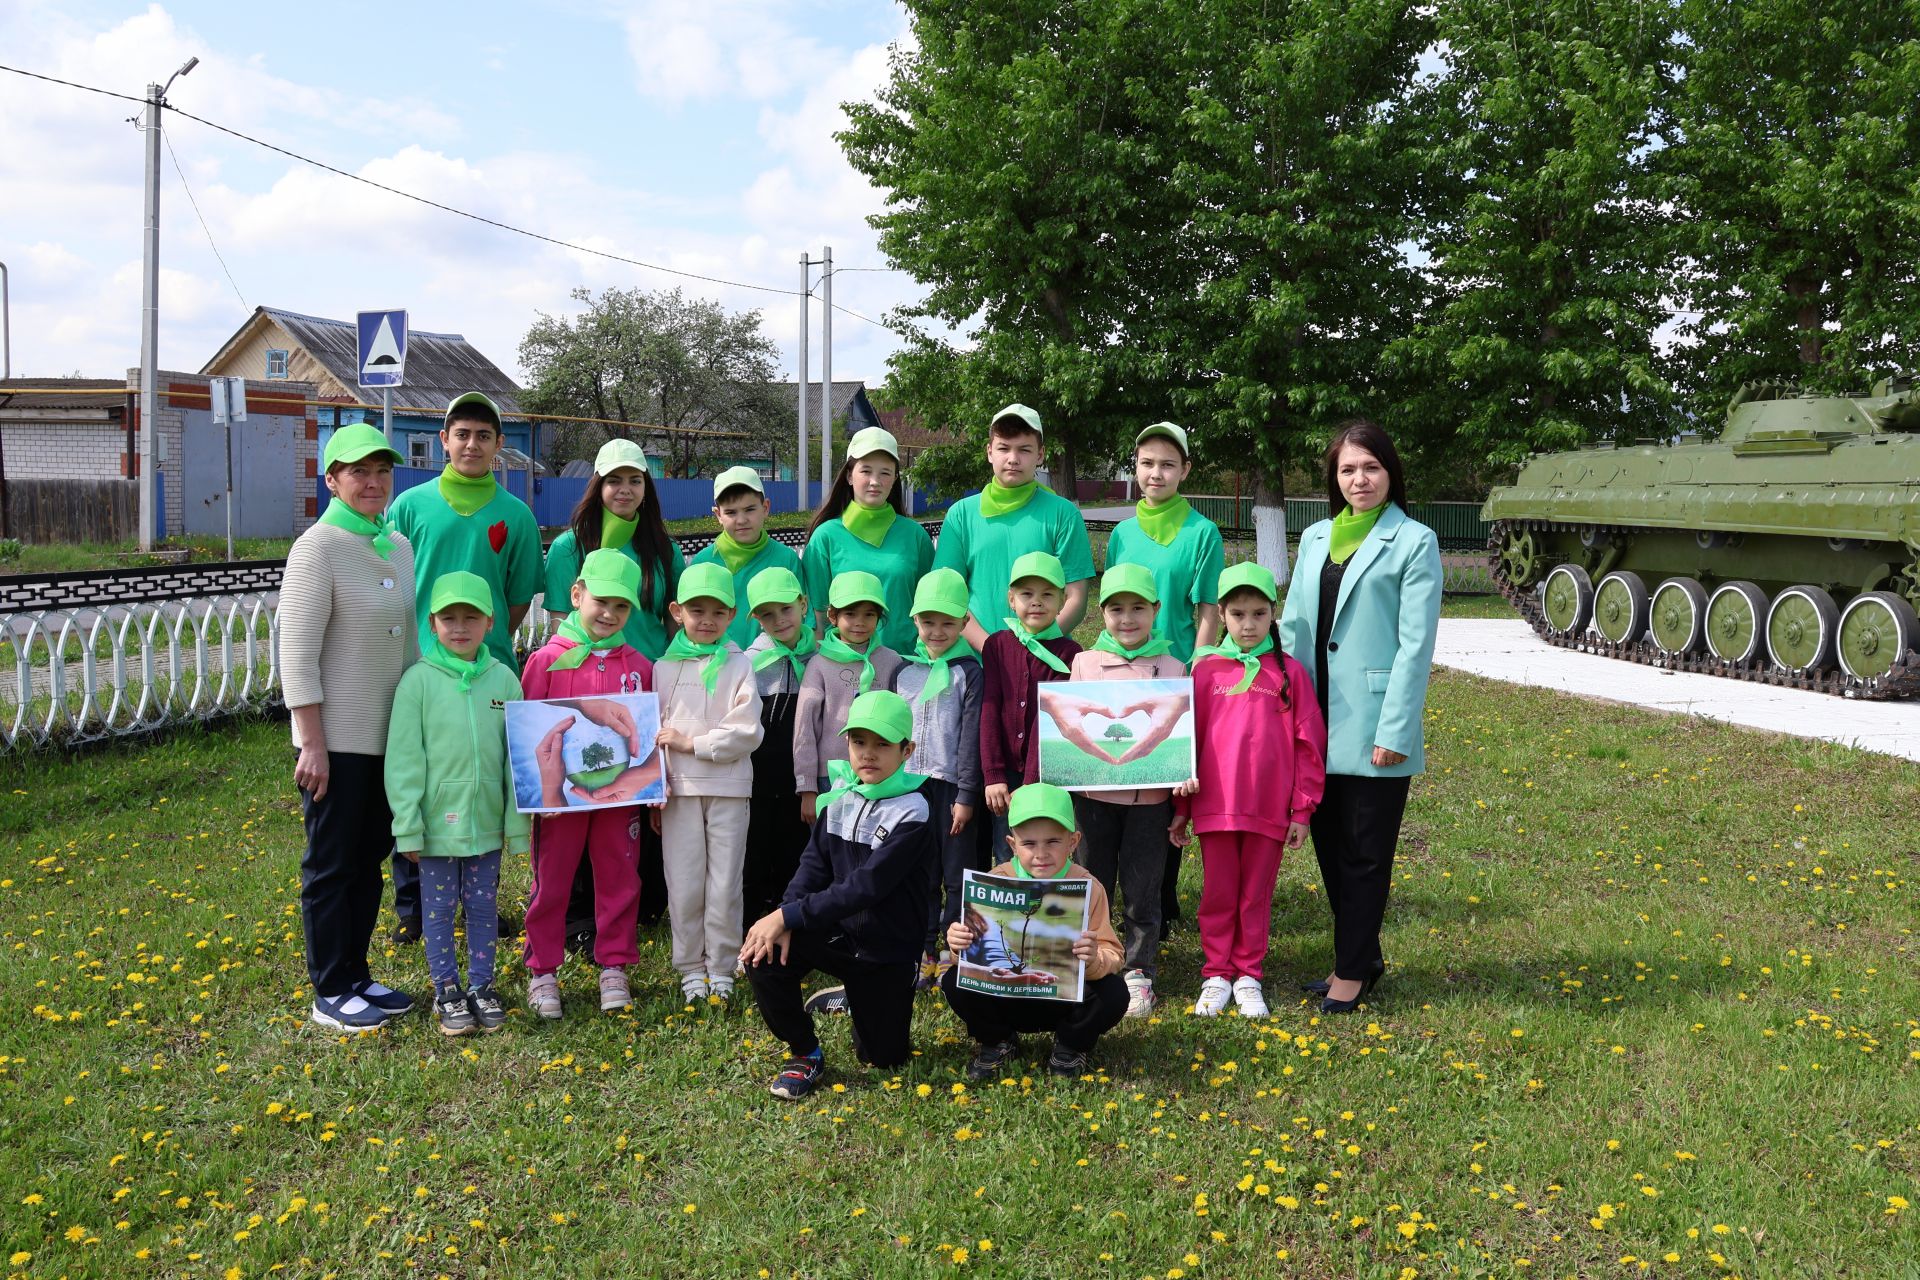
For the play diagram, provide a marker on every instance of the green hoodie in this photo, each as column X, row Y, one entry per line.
column 449, row 778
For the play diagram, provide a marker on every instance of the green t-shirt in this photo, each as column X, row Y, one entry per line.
column 984, row 550
column 775, row 555
column 500, row 542
column 1186, row 570
column 647, row 626
column 900, row 561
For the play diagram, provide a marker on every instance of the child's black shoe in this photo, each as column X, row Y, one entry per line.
column 799, row 1076
column 989, row 1060
column 488, row 1013
column 1066, row 1062
column 450, row 1006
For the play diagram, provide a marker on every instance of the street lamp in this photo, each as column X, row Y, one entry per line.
column 150, row 308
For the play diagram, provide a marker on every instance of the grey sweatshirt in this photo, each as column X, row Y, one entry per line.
column 825, row 695
column 946, row 730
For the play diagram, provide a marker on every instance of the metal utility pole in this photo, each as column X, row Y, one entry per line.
column 150, row 309
column 806, row 320
column 6, row 327
column 826, row 372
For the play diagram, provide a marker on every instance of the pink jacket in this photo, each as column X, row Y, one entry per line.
column 1262, row 760
column 1097, row 664
column 619, row 670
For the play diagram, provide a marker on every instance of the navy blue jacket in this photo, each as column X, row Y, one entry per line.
column 864, row 874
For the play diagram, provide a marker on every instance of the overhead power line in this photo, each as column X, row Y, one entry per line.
column 107, row 93
column 182, row 175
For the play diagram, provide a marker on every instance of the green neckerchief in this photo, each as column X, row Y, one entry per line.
column 1153, row 648
column 1032, row 642
column 464, row 494
column 682, row 649
column 843, row 779
column 341, row 516
column 437, row 654
column 869, row 524
column 938, row 674
column 1349, row 531
column 583, row 644
column 1161, row 523
column 797, row 654
column 1248, row 658
column 615, row 531
column 834, row 649
column 1021, row 873
column 738, row 555
column 998, row 500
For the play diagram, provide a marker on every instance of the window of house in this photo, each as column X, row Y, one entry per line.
column 419, row 451
column 276, row 364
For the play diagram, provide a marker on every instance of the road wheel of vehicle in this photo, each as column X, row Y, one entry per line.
column 1800, row 628
column 1568, row 599
column 1678, row 616
column 1735, row 614
column 1876, row 630
column 1620, row 607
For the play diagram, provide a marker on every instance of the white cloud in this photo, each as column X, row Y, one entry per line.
column 718, row 49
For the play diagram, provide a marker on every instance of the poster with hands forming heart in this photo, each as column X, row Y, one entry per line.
column 1116, row 735
column 586, row 753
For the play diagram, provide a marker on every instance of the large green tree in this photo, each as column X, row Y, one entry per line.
column 700, row 378
column 1791, row 171
column 1544, row 237
column 1025, row 188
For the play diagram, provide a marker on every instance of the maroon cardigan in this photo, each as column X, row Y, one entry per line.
column 1010, row 707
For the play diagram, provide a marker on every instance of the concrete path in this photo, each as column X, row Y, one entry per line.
column 1503, row 649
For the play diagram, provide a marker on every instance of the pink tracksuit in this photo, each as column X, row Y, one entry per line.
column 1261, row 762
column 610, row 838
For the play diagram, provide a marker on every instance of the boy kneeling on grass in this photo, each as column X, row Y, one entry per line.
column 1043, row 840
column 858, row 905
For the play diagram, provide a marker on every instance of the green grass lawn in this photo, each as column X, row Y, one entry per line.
column 1066, row 765
column 1653, row 1009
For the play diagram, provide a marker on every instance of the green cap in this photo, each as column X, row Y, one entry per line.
column 461, row 587
column 1250, row 573
column 472, row 399
column 1129, row 579
column 350, row 444
column 1177, row 434
column 1041, row 800
column 610, row 575
column 1039, row 564
column 615, row 454
column 872, row 440
column 882, row 712
column 1029, row 416
column 737, row 478
column 942, row 591
column 854, row 586
column 773, row 586
column 708, row 580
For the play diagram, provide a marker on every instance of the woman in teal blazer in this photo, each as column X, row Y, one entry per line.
column 1361, row 615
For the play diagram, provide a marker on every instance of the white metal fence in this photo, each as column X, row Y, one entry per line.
column 84, row 675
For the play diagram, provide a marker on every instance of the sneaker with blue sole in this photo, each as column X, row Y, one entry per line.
column 393, row 1002
column 348, row 1013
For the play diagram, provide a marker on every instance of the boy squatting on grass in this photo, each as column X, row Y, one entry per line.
column 941, row 679
column 709, row 726
column 857, row 907
column 1043, row 841
column 449, row 782
column 587, row 655
column 851, row 661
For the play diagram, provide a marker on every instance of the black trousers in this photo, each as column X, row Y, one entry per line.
column 957, row 854
column 879, row 997
column 1128, row 843
column 1170, row 881
column 993, row 1019
column 775, row 840
column 406, row 885
column 1355, row 830
column 349, row 834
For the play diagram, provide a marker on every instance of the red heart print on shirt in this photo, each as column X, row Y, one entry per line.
column 497, row 535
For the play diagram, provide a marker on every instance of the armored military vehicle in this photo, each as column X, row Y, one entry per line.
column 1786, row 551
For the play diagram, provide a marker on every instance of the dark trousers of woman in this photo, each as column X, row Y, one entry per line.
column 1355, row 830
column 349, row 834
column 1078, row 1027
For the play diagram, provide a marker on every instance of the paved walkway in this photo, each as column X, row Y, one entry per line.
column 1503, row 649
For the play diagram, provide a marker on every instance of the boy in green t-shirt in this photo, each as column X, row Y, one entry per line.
column 744, row 547
column 982, row 536
column 1176, row 544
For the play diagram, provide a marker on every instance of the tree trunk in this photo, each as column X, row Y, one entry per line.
column 1066, row 482
column 1270, row 523
column 1804, row 288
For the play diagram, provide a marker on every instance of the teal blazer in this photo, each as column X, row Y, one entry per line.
column 1384, row 625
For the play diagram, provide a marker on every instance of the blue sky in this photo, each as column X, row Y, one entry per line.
column 693, row 135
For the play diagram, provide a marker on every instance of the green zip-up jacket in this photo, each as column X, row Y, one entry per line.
column 449, row 777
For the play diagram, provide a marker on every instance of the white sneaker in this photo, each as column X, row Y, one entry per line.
column 1247, row 997
column 1139, row 994
column 615, row 991
column 543, row 995
column 693, row 988
column 1214, row 994
column 720, row 988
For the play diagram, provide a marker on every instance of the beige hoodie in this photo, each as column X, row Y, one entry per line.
column 724, row 725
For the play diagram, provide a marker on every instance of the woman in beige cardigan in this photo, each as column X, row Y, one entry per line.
column 346, row 623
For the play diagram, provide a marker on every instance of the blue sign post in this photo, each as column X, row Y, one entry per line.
column 383, row 358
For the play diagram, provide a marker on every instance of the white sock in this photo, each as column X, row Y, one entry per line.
column 354, row 1004
column 375, row 989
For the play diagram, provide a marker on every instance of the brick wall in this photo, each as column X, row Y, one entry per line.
column 66, row 450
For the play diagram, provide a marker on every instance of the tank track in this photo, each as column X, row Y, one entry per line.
column 1902, row 681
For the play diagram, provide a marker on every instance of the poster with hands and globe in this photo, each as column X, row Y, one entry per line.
column 585, row 753
column 1116, row 735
